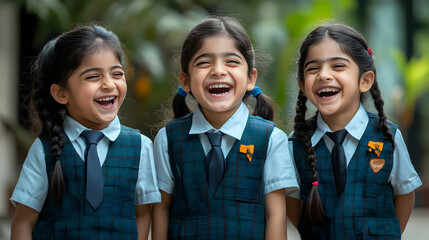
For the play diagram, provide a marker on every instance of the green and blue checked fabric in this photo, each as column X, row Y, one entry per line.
column 237, row 210
column 365, row 210
column 75, row 218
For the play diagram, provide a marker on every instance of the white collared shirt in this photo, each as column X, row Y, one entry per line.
column 279, row 171
column 404, row 178
column 32, row 187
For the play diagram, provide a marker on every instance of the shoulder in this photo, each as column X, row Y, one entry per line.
column 184, row 122
column 392, row 126
column 126, row 129
column 258, row 120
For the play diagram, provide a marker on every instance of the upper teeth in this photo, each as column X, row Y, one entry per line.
column 218, row 86
column 327, row 90
column 106, row 99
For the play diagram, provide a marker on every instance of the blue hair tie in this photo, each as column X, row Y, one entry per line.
column 255, row 92
column 181, row 92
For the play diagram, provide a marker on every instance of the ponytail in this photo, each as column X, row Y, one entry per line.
column 314, row 210
column 180, row 108
column 264, row 105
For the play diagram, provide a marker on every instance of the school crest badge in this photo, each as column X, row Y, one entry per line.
column 248, row 150
column 376, row 164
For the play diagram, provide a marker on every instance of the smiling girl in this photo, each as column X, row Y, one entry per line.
column 79, row 87
column 362, row 185
column 232, row 189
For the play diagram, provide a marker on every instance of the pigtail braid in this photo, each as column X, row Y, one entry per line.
column 379, row 105
column 314, row 210
column 180, row 108
column 264, row 107
column 48, row 111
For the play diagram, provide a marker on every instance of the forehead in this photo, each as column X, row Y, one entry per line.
column 325, row 49
column 217, row 44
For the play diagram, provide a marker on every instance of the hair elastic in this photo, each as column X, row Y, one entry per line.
column 315, row 183
column 255, row 92
column 370, row 52
column 181, row 92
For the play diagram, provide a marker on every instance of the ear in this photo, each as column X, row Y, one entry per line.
column 301, row 86
column 184, row 81
column 366, row 81
column 251, row 82
column 58, row 93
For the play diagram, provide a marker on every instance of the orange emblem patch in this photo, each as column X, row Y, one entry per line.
column 376, row 164
column 248, row 150
column 375, row 147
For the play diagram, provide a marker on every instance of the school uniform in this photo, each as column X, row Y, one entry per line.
column 237, row 209
column 129, row 175
column 365, row 210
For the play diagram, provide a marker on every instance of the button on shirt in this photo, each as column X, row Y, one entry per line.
column 278, row 173
column 404, row 178
column 32, row 187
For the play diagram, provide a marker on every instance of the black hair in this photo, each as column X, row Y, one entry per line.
column 56, row 62
column 215, row 26
column 354, row 45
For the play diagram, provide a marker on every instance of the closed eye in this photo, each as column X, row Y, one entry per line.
column 202, row 63
column 91, row 77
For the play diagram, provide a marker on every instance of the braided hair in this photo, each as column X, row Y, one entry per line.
column 208, row 28
column 353, row 44
column 56, row 62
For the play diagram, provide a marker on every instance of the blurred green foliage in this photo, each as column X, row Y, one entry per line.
column 153, row 31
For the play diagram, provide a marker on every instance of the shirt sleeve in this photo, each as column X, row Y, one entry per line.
column 162, row 162
column 32, row 187
column 147, row 188
column 294, row 194
column 279, row 170
column 403, row 177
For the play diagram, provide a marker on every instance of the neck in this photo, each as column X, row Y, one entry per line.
column 339, row 121
column 218, row 119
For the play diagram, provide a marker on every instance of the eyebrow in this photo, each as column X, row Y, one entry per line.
column 326, row 60
column 99, row 69
column 210, row 55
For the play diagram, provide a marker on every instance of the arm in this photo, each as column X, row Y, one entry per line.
column 161, row 214
column 143, row 220
column 23, row 222
column 293, row 209
column 404, row 205
column 275, row 208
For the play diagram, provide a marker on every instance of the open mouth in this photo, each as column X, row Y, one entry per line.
column 327, row 92
column 106, row 101
column 219, row 89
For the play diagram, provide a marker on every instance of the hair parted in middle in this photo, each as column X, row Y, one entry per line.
column 220, row 25
column 354, row 45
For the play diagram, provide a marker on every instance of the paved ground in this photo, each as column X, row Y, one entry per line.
column 417, row 228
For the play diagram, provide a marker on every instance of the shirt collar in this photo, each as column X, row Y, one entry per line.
column 356, row 127
column 73, row 128
column 234, row 127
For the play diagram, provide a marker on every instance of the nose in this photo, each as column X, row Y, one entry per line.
column 108, row 83
column 218, row 69
column 325, row 74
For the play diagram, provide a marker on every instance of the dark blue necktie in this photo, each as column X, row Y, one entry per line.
column 339, row 161
column 215, row 163
column 94, row 174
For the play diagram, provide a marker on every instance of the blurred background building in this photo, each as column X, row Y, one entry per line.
column 153, row 31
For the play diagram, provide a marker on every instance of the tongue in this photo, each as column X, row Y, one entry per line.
column 104, row 103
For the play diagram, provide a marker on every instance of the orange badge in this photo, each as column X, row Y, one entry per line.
column 375, row 147
column 248, row 150
column 376, row 164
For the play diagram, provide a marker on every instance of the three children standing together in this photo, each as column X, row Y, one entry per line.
column 221, row 171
